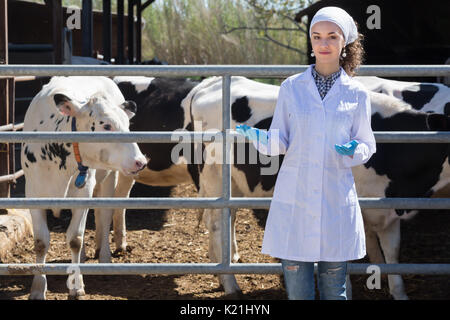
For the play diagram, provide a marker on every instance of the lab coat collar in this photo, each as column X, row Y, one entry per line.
column 306, row 78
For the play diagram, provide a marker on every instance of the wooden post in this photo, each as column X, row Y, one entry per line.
column 4, row 99
column 86, row 29
column 120, row 46
column 131, row 32
column 57, row 30
column 106, row 32
column 11, row 119
column 138, row 32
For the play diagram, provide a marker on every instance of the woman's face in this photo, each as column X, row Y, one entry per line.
column 327, row 41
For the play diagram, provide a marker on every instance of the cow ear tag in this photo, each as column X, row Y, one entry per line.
column 80, row 180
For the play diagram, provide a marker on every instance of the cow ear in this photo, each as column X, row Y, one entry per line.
column 65, row 105
column 130, row 108
column 438, row 122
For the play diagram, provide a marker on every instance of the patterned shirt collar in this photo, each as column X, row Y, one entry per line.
column 324, row 84
column 318, row 76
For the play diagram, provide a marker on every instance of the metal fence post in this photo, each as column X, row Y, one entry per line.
column 226, row 171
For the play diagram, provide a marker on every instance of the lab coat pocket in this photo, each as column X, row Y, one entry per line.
column 344, row 115
column 285, row 186
column 351, row 231
column 349, row 189
column 343, row 122
column 338, row 128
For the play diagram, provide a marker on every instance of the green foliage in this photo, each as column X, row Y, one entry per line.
column 223, row 32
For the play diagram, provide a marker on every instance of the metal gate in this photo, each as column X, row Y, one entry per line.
column 225, row 202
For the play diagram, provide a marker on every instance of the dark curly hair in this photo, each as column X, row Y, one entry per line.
column 355, row 55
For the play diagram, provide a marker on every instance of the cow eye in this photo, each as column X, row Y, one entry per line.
column 107, row 127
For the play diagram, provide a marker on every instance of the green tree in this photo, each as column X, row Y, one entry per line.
column 225, row 32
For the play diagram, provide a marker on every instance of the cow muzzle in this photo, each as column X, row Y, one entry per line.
column 138, row 165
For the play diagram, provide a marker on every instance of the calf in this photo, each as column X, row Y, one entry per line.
column 159, row 109
column 58, row 170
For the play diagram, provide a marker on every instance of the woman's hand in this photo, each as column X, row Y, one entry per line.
column 252, row 133
column 347, row 149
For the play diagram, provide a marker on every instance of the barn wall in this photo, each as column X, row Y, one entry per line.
column 31, row 23
column 412, row 32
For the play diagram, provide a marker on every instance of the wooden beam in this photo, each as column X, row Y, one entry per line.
column 3, row 32
column 138, row 31
column 87, row 29
column 57, row 30
column 11, row 120
column 4, row 97
column 120, row 33
column 106, row 32
column 131, row 25
column 4, row 147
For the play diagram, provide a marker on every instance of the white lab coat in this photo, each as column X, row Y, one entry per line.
column 314, row 214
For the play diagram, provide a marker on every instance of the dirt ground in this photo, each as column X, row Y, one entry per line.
column 172, row 236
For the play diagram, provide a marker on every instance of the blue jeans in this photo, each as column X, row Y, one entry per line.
column 299, row 280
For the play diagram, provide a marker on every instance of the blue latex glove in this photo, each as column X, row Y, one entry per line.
column 347, row 149
column 252, row 133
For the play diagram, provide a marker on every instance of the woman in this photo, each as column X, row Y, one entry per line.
column 322, row 125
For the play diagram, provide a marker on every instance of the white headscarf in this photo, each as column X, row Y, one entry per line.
column 341, row 18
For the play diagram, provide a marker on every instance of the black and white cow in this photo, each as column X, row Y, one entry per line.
column 165, row 105
column 51, row 169
column 423, row 96
column 253, row 103
column 396, row 170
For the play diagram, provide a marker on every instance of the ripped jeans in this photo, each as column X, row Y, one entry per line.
column 299, row 280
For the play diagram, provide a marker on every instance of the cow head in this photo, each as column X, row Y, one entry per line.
column 100, row 114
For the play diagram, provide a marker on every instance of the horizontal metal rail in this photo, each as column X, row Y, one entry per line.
column 213, row 70
column 205, row 268
column 197, row 136
column 205, row 202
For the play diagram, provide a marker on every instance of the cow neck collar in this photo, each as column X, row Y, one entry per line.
column 80, row 181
